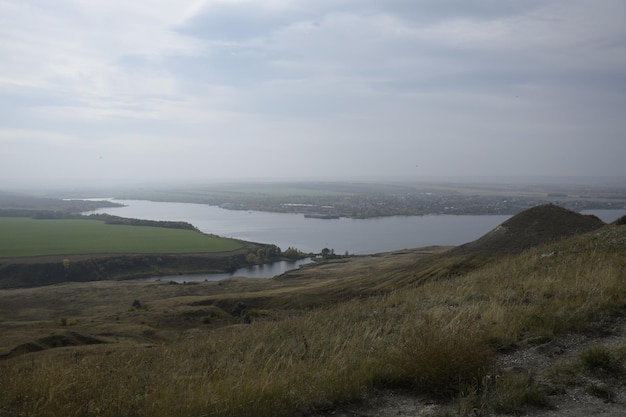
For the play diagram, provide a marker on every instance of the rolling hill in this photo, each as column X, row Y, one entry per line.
column 536, row 226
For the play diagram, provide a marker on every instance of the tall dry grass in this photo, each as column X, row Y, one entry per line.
column 439, row 338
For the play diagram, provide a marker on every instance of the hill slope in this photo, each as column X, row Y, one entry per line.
column 536, row 226
column 520, row 334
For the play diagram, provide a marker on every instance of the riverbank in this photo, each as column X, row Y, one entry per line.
column 46, row 270
column 369, row 200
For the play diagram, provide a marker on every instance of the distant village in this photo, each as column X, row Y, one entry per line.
column 424, row 203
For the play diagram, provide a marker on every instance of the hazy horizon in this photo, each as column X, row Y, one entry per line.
column 613, row 182
column 218, row 90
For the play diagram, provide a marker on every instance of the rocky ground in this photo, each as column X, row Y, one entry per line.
column 576, row 401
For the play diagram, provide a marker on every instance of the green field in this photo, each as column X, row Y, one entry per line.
column 29, row 237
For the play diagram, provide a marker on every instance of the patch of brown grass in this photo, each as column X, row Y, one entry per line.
column 335, row 337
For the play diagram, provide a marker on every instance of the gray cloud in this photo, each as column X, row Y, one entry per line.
column 311, row 88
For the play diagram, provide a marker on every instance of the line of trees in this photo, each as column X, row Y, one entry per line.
column 271, row 253
column 108, row 219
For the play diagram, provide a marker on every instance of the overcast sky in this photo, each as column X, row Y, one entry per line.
column 210, row 89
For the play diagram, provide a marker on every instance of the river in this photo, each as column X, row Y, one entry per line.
column 354, row 236
column 256, row 271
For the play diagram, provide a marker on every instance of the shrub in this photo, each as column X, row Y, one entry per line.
column 601, row 390
column 601, row 360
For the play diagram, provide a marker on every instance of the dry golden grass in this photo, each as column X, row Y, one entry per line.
column 327, row 335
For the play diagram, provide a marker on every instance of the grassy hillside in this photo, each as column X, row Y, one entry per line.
column 29, row 237
column 425, row 321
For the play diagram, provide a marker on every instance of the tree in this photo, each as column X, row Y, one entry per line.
column 293, row 253
column 272, row 251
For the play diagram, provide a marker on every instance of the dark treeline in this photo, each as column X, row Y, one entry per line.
column 109, row 219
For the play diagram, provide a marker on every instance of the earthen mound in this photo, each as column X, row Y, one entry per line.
column 53, row 341
column 536, row 226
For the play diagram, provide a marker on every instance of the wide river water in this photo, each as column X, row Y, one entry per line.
column 355, row 236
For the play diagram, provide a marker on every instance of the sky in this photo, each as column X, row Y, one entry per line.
column 149, row 90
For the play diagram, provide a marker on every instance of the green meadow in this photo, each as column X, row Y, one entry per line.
column 20, row 237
